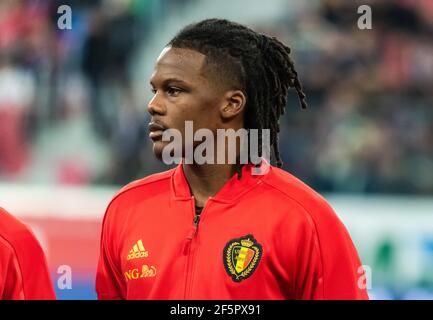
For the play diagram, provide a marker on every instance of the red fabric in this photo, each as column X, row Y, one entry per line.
column 23, row 267
column 306, row 251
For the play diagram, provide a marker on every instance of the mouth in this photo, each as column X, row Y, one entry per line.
column 155, row 131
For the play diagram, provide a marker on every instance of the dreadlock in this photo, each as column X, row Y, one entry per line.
column 257, row 64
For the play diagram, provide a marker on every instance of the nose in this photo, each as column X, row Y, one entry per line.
column 156, row 105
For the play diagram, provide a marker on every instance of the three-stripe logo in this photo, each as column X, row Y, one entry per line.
column 137, row 251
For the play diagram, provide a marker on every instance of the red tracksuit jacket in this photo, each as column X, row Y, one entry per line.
column 261, row 237
column 23, row 267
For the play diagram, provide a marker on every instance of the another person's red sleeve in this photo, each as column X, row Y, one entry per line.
column 23, row 267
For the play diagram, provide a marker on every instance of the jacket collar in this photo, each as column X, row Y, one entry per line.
column 232, row 189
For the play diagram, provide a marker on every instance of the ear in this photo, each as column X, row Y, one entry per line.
column 234, row 104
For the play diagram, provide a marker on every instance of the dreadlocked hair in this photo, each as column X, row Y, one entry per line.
column 255, row 63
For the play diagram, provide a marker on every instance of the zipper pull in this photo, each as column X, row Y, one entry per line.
column 196, row 220
column 194, row 228
column 189, row 238
column 192, row 232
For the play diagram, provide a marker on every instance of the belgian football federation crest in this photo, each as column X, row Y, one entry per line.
column 241, row 257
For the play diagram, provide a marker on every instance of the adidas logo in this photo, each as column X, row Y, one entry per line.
column 137, row 251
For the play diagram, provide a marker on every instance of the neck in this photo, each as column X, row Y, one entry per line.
column 206, row 180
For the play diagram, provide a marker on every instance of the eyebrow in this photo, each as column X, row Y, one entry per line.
column 165, row 81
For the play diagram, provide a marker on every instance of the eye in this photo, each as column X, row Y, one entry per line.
column 173, row 91
column 153, row 90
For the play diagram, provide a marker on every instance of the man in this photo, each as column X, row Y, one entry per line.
column 23, row 268
column 222, row 231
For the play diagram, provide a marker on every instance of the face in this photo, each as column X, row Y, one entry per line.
column 182, row 92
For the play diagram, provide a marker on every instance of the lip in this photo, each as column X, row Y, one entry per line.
column 155, row 130
column 155, row 135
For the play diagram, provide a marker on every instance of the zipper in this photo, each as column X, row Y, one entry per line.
column 190, row 240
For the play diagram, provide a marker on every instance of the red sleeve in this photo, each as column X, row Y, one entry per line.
column 23, row 267
column 109, row 281
column 333, row 269
column 325, row 265
column 11, row 287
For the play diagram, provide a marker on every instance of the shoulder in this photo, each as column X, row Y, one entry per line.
column 15, row 235
column 21, row 251
column 158, row 181
column 12, row 229
column 300, row 199
column 309, row 215
column 140, row 190
column 293, row 189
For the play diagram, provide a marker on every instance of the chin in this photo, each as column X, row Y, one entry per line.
column 158, row 147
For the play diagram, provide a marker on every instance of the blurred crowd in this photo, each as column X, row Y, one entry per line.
column 69, row 113
column 370, row 123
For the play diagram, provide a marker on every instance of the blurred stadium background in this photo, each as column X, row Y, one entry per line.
column 73, row 120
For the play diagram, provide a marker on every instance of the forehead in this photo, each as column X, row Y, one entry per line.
column 179, row 62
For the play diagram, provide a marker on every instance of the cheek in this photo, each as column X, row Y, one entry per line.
column 201, row 109
column 207, row 113
column 179, row 118
column 177, row 113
